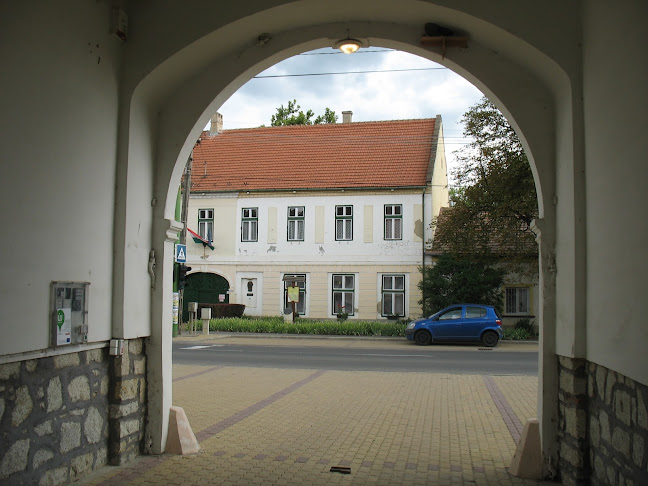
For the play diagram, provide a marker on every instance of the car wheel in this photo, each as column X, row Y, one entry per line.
column 422, row 338
column 489, row 338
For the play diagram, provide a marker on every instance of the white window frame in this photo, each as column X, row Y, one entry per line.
column 250, row 224
column 296, row 223
column 344, row 230
column 393, row 222
column 390, row 293
column 206, row 224
column 345, row 291
column 512, row 300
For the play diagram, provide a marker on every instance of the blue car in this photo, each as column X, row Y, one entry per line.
column 461, row 322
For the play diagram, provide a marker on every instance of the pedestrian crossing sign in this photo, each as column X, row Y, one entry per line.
column 180, row 253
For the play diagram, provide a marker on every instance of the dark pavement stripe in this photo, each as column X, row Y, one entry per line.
column 198, row 373
column 508, row 415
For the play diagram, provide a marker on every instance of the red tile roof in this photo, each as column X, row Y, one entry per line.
column 344, row 155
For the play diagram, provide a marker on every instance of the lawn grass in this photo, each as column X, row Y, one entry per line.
column 349, row 327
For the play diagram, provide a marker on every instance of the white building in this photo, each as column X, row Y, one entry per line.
column 346, row 207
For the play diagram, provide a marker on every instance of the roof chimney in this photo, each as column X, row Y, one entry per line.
column 346, row 116
column 216, row 124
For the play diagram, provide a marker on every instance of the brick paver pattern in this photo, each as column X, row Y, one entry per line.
column 259, row 426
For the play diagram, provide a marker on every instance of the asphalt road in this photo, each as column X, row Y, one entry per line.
column 407, row 357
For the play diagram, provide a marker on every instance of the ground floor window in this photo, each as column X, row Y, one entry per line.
column 517, row 300
column 343, row 294
column 301, row 283
column 393, row 295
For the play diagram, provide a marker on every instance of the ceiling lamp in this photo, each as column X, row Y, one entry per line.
column 348, row 46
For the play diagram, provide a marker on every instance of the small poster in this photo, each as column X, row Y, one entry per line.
column 221, row 297
column 64, row 326
column 293, row 294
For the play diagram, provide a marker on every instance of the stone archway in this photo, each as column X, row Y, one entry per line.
column 526, row 84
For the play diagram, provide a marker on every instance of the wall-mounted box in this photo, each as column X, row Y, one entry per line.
column 69, row 313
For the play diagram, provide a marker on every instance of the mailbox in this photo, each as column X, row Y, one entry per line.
column 205, row 313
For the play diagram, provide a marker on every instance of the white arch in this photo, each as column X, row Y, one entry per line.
column 170, row 105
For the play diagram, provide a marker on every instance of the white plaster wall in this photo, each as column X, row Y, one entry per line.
column 616, row 76
column 225, row 223
column 379, row 250
column 58, row 133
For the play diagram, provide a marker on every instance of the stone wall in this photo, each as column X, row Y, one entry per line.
column 63, row 416
column 603, row 426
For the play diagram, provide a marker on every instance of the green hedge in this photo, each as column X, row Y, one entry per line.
column 340, row 328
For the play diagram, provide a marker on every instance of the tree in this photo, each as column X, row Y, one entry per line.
column 455, row 280
column 292, row 115
column 496, row 201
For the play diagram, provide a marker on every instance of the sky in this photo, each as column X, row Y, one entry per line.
column 425, row 92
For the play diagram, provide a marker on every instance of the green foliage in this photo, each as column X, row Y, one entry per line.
column 525, row 324
column 292, row 115
column 496, row 201
column 458, row 280
column 518, row 334
column 308, row 326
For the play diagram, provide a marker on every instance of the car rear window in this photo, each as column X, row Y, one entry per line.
column 474, row 312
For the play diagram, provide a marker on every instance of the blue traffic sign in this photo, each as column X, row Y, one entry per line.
column 180, row 253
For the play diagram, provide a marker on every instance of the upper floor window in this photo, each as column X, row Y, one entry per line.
column 393, row 221
column 393, row 295
column 249, row 224
column 206, row 224
column 343, row 223
column 517, row 300
column 296, row 223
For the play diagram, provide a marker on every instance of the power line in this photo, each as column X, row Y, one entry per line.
column 349, row 72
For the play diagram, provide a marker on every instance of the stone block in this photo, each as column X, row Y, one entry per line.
column 105, row 383
column 31, row 365
column 15, row 459
column 609, row 386
column 599, row 467
column 70, row 436
column 142, row 389
column 22, row 407
column 41, row 457
column 621, row 441
column 119, row 411
column 54, row 477
column 79, row 389
column 128, row 427
column 44, row 429
column 605, row 426
column 638, row 450
column 601, row 376
column 576, row 422
column 571, row 455
column 54, row 395
column 122, row 363
column 623, row 406
column 126, row 389
column 93, row 426
column 611, row 476
column 10, row 371
column 642, row 414
column 2, row 408
column 95, row 356
column 139, row 366
column 66, row 360
column 135, row 346
column 595, row 432
column 181, row 439
column 572, row 384
column 101, row 457
column 80, row 465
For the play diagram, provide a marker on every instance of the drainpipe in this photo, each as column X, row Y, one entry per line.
column 423, row 250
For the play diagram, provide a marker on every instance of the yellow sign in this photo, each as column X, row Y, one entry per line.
column 293, row 294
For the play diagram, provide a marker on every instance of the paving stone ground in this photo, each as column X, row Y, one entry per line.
column 260, row 426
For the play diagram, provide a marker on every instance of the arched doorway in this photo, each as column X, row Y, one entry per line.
column 525, row 83
column 204, row 288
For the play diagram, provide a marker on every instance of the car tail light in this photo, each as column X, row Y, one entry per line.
column 498, row 322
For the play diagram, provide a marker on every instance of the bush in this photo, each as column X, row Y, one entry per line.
column 517, row 334
column 525, row 324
